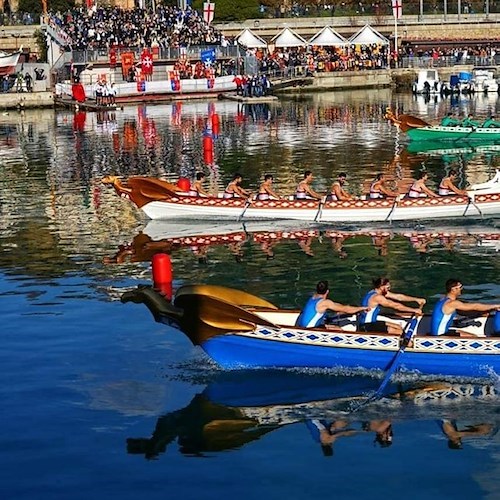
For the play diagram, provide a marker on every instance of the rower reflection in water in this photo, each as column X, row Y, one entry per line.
column 327, row 432
column 383, row 431
column 455, row 435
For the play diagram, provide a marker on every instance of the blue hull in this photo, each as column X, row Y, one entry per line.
column 237, row 352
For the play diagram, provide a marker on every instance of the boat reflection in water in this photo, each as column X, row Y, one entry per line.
column 238, row 408
column 163, row 236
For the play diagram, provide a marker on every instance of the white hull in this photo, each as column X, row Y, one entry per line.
column 360, row 211
column 129, row 90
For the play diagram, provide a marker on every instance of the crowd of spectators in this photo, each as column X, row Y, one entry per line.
column 323, row 59
column 103, row 27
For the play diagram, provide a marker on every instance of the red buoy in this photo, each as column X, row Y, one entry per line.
column 184, row 184
column 162, row 274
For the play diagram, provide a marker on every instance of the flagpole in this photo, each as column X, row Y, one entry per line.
column 396, row 40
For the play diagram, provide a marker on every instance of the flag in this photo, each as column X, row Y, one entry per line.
column 146, row 62
column 208, row 12
column 208, row 56
column 397, row 8
column 127, row 63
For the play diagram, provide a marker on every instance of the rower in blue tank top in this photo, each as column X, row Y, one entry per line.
column 381, row 296
column 313, row 313
column 445, row 310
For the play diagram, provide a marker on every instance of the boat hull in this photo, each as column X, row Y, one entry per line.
column 438, row 133
column 240, row 352
column 310, row 210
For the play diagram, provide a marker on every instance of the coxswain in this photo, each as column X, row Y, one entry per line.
column 447, row 185
column 304, row 191
column 381, row 296
column 446, row 308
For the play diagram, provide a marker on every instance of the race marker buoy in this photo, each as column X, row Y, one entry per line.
column 162, row 274
column 184, row 184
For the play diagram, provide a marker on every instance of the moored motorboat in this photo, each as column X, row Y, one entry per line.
column 239, row 330
column 162, row 200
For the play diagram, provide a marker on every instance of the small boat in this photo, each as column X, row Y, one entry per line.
column 427, row 82
column 484, row 80
column 239, row 330
column 162, row 200
column 419, row 130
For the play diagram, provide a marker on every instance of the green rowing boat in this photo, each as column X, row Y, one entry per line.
column 440, row 133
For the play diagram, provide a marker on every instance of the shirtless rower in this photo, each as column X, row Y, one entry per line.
column 234, row 190
column 304, row 190
column 447, row 185
column 419, row 190
column 378, row 189
column 337, row 191
column 265, row 190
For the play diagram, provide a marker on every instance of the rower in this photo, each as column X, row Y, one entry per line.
column 197, row 188
column 419, row 190
column 378, row 188
column 469, row 122
column 381, row 296
column 304, row 191
column 491, row 122
column 337, row 191
column 265, row 191
column 314, row 312
column 234, row 190
column 445, row 310
column 447, row 185
column 449, row 121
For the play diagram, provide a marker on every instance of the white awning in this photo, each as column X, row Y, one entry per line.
column 368, row 36
column 328, row 37
column 250, row 40
column 288, row 38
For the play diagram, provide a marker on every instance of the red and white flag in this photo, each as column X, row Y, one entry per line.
column 208, row 12
column 397, row 8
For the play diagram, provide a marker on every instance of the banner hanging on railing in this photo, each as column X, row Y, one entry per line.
column 208, row 12
column 397, row 8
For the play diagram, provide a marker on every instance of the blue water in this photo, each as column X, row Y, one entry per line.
column 99, row 401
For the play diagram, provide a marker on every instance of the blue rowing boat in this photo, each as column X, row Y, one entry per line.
column 239, row 330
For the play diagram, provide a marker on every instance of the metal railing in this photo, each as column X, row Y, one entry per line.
column 162, row 53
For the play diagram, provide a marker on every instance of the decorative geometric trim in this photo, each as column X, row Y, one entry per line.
column 456, row 345
column 376, row 342
column 326, row 338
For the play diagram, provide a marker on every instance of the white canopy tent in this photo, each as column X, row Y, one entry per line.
column 368, row 36
column 288, row 38
column 327, row 37
column 250, row 40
